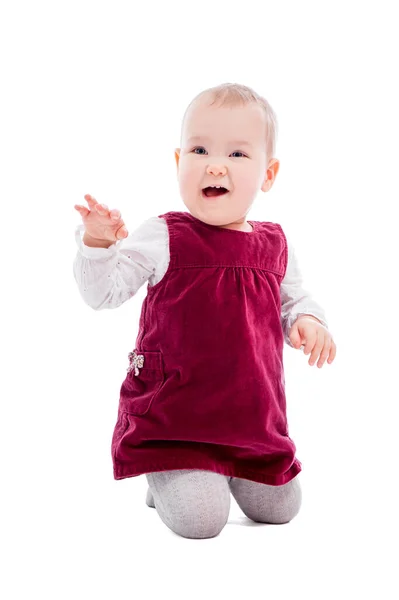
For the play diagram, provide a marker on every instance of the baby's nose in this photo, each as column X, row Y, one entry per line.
column 216, row 170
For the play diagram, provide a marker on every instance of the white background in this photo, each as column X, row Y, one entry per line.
column 92, row 97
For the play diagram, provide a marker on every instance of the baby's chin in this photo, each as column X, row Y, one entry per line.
column 218, row 218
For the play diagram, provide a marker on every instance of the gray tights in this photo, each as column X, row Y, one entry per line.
column 196, row 503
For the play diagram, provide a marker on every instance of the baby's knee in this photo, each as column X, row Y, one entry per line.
column 289, row 503
column 198, row 529
column 197, row 526
column 192, row 503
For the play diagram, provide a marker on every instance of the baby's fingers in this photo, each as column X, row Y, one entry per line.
column 91, row 201
column 82, row 210
column 333, row 352
column 102, row 209
column 115, row 214
column 121, row 233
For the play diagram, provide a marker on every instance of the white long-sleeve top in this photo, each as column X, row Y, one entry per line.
column 107, row 277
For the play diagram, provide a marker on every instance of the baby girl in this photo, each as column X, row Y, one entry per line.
column 202, row 409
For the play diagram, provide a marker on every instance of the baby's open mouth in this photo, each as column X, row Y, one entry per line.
column 212, row 191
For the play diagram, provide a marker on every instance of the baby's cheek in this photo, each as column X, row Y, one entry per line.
column 190, row 178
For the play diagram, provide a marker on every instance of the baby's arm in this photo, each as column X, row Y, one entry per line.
column 107, row 277
column 295, row 300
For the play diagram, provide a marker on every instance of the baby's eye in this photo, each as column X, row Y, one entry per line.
column 198, row 148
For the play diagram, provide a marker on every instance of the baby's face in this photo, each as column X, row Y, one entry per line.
column 223, row 146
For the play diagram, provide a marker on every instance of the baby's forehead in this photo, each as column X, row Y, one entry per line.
column 210, row 120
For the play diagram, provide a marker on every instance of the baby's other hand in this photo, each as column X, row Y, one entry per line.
column 101, row 223
column 317, row 339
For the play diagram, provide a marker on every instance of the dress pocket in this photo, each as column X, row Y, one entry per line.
column 142, row 383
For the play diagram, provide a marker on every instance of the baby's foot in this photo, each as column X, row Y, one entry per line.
column 150, row 499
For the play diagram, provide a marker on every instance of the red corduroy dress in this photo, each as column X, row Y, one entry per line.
column 206, row 387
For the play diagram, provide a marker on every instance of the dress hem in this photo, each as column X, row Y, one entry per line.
column 228, row 470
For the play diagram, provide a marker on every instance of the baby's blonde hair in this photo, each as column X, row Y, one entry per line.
column 236, row 94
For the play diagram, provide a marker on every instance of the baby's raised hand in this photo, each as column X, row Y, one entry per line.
column 101, row 223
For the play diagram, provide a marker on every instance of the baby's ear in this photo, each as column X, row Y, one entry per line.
column 177, row 157
column 271, row 174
